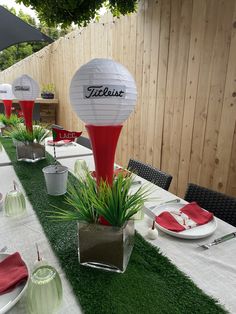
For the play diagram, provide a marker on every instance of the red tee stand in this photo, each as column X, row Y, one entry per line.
column 104, row 141
column 27, row 107
column 7, row 105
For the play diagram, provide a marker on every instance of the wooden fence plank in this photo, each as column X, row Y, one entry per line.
column 152, row 85
column 161, row 82
column 228, row 117
column 231, row 184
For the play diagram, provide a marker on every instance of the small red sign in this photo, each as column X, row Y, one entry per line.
column 61, row 135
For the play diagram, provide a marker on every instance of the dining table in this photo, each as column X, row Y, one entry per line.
column 212, row 270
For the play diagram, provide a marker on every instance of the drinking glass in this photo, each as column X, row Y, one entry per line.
column 14, row 204
column 44, row 294
column 81, row 168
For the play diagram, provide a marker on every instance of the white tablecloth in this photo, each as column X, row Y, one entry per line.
column 71, row 150
column 214, row 270
column 3, row 157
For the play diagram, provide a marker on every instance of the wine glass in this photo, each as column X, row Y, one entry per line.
column 44, row 294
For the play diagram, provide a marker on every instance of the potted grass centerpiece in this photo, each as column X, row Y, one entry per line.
column 103, row 94
column 104, row 214
column 29, row 145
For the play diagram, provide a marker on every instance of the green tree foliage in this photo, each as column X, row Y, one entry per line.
column 18, row 52
column 80, row 12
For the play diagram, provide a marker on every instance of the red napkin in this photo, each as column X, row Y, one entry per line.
column 192, row 210
column 166, row 220
column 12, row 272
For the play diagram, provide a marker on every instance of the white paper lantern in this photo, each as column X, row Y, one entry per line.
column 103, row 92
column 6, row 92
column 25, row 88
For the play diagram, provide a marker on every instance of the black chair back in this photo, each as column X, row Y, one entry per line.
column 150, row 173
column 84, row 141
column 221, row 205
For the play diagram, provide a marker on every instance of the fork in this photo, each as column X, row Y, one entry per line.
column 174, row 201
column 149, row 210
column 218, row 241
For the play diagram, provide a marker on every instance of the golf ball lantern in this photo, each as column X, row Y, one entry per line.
column 25, row 88
column 103, row 95
column 7, row 96
column 26, row 91
column 103, row 92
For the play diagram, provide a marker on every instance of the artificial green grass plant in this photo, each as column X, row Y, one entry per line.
column 114, row 203
column 21, row 134
column 12, row 121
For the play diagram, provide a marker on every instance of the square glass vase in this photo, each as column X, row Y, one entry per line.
column 105, row 247
column 30, row 151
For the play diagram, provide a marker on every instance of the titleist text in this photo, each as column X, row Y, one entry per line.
column 23, row 88
column 104, row 91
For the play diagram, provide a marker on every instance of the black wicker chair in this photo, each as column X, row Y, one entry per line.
column 221, row 205
column 150, row 173
column 84, row 141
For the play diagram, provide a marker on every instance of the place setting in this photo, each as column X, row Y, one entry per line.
column 186, row 221
column 41, row 287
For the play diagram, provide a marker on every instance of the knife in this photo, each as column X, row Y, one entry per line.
column 219, row 240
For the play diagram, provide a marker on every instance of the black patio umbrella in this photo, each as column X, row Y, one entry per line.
column 14, row 31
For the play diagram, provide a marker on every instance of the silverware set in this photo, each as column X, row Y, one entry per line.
column 218, row 240
column 136, row 183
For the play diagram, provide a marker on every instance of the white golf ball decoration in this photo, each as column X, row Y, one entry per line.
column 6, row 92
column 152, row 233
column 25, row 88
column 103, row 92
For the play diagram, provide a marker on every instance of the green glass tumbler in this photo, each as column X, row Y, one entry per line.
column 14, row 204
column 44, row 294
column 81, row 169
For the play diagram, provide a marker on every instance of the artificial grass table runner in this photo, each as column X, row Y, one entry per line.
column 151, row 283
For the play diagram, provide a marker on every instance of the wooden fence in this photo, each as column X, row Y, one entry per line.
column 182, row 55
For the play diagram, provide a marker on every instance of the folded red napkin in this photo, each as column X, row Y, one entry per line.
column 189, row 216
column 12, row 272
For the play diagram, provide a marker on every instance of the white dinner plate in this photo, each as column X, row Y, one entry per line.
column 194, row 233
column 8, row 300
